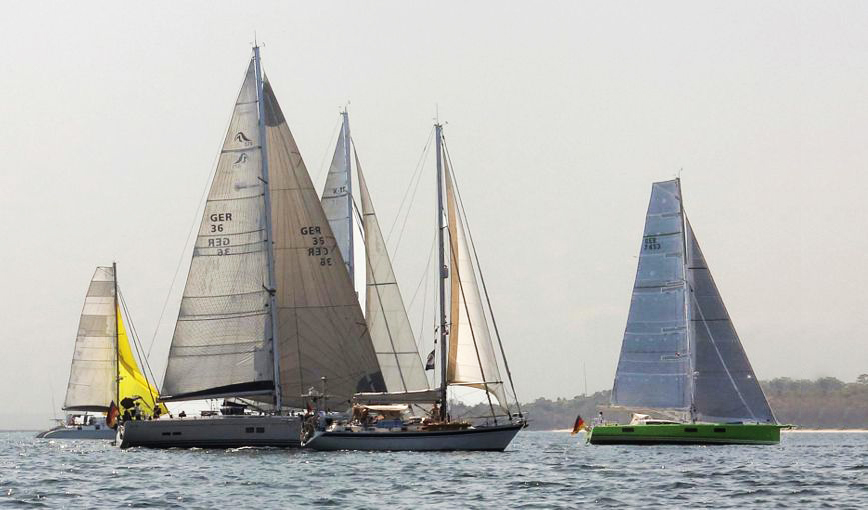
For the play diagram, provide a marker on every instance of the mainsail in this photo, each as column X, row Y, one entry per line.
column 222, row 343
column 680, row 350
column 471, row 357
column 654, row 368
column 94, row 370
column 726, row 387
column 386, row 315
column 337, row 196
column 321, row 326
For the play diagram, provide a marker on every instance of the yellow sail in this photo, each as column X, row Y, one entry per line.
column 133, row 382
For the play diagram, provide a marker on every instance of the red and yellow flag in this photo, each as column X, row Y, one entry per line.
column 578, row 425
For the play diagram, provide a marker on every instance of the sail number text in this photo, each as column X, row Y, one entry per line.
column 318, row 248
column 651, row 244
column 216, row 226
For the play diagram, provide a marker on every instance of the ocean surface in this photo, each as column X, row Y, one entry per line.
column 539, row 470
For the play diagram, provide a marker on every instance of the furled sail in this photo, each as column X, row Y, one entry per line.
column 726, row 388
column 92, row 375
column 654, row 369
column 221, row 345
column 471, row 359
column 133, row 382
column 320, row 323
column 336, row 200
column 387, row 318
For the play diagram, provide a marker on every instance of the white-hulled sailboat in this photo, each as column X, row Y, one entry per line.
column 468, row 358
column 267, row 310
column 104, row 377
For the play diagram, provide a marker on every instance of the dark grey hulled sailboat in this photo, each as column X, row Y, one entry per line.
column 681, row 357
column 268, row 310
column 467, row 354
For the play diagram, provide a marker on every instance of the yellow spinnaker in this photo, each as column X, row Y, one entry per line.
column 133, row 382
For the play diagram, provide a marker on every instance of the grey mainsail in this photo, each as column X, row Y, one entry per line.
column 680, row 349
column 654, row 367
column 221, row 345
column 93, row 372
column 726, row 387
column 386, row 315
column 321, row 326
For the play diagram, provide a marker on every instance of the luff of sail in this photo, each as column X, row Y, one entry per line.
column 386, row 315
column 321, row 326
column 336, row 201
column 221, row 345
column 471, row 359
column 93, row 372
column 654, row 369
column 726, row 388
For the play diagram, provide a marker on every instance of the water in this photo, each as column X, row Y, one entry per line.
column 540, row 470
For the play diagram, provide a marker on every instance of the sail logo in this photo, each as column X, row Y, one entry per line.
column 241, row 138
column 242, row 158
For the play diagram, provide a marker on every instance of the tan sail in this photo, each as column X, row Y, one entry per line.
column 471, row 358
column 320, row 323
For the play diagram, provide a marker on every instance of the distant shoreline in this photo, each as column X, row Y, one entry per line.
column 796, row 430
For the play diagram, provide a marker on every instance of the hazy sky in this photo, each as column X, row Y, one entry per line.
column 560, row 115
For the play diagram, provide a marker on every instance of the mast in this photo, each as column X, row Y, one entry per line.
column 687, row 299
column 444, row 271
column 272, row 301
column 117, row 339
column 346, row 134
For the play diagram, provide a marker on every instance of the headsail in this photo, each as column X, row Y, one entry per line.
column 471, row 356
column 92, row 375
column 387, row 318
column 321, row 326
column 133, row 382
column 221, row 345
column 336, row 196
column 726, row 387
column 654, row 370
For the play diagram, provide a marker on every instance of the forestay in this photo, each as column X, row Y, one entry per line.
column 221, row 345
column 471, row 359
column 726, row 386
column 654, row 367
column 320, row 323
column 93, row 372
column 386, row 315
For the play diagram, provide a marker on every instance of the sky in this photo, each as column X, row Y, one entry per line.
column 558, row 117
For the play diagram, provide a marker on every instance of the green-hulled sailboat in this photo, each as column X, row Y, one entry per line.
column 681, row 358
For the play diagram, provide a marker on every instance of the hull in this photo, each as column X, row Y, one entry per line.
column 473, row 439
column 686, row 433
column 78, row 432
column 213, row 432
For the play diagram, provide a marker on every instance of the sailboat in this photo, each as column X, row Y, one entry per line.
column 268, row 310
column 380, row 420
column 104, row 376
column 681, row 358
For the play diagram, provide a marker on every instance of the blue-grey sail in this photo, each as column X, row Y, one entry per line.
column 726, row 388
column 654, row 366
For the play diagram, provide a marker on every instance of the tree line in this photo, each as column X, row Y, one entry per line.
column 826, row 403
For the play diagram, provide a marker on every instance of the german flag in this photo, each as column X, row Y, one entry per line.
column 578, row 425
column 111, row 417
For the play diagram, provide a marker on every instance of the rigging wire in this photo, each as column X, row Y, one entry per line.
column 482, row 279
column 322, row 167
column 417, row 173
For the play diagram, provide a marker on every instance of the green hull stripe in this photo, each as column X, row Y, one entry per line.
column 699, row 433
